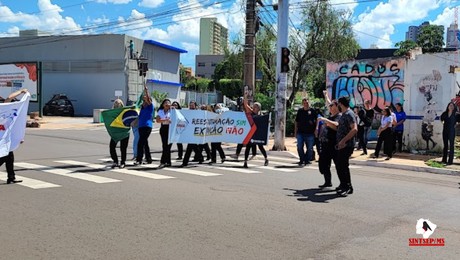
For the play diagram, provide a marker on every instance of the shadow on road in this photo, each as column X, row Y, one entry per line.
column 314, row 195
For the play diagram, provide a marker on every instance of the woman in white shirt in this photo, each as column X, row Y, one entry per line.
column 164, row 117
column 385, row 134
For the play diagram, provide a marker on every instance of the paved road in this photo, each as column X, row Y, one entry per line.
column 71, row 206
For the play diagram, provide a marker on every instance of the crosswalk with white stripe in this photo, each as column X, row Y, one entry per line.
column 78, row 170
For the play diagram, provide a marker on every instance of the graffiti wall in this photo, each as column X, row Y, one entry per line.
column 381, row 81
column 424, row 85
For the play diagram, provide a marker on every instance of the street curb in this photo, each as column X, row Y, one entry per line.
column 406, row 167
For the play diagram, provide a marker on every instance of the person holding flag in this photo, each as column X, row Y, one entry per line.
column 13, row 122
column 118, row 124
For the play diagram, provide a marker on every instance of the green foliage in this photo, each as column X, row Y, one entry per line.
column 433, row 163
column 267, row 102
column 159, row 96
column 290, row 119
column 405, row 47
column 266, row 60
column 431, row 38
column 324, row 35
column 204, row 84
column 232, row 88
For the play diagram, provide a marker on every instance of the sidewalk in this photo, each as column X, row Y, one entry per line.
column 403, row 161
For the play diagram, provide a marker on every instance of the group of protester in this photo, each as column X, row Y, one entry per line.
column 142, row 127
column 335, row 136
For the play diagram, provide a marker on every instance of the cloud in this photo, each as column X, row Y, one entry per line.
column 48, row 19
column 378, row 25
column 116, row 2
column 151, row 3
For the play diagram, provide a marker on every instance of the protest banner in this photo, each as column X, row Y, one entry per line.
column 199, row 127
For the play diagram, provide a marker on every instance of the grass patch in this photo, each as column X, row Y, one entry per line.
column 435, row 164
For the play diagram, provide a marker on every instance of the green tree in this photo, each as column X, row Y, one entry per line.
column 203, row 84
column 159, row 96
column 266, row 60
column 324, row 35
column 405, row 47
column 431, row 38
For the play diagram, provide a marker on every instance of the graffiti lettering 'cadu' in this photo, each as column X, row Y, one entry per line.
column 380, row 82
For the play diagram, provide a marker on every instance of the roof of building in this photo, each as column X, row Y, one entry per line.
column 159, row 44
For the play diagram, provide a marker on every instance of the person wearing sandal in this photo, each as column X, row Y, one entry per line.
column 253, row 111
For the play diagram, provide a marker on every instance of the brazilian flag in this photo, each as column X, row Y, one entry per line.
column 118, row 121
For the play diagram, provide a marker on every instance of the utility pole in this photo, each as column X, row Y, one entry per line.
column 280, row 104
column 250, row 50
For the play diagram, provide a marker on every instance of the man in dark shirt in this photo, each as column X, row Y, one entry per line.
column 304, row 130
column 346, row 132
column 367, row 116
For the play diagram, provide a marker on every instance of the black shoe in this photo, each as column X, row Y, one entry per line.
column 137, row 163
column 388, row 158
column 179, row 158
column 161, row 166
column 245, row 165
column 350, row 191
column 307, row 163
column 183, row 165
column 343, row 193
column 149, row 161
column 266, row 162
column 223, row 160
column 13, row 181
column 122, row 165
column 325, row 185
column 212, row 162
column 114, row 165
column 300, row 163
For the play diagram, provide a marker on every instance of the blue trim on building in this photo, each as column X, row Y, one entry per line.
column 165, row 82
column 159, row 44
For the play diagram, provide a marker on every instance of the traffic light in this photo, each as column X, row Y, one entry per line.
column 285, row 52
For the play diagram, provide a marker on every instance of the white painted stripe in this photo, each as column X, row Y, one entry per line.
column 124, row 171
column 193, row 172
column 262, row 167
column 242, row 170
column 32, row 183
column 143, row 174
column 284, row 159
column 67, row 173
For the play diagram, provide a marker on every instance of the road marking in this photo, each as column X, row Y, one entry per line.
column 66, row 173
column 32, row 183
column 262, row 167
column 124, row 171
column 223, row 168
column 284, row 159
column 193, row 172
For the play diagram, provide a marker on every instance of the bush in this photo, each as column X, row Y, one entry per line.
column 232, row 88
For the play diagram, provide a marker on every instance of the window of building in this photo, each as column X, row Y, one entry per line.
column 213, row 64
column 201, row 64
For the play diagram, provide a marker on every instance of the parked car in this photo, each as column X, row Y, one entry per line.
column 59, row 105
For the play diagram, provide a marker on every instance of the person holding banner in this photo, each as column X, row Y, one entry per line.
column 192, row 147
column 145, row 124
column 180, row 147
column 164, row 117
column 217, row 147
column 251, row 112
column 8, row 159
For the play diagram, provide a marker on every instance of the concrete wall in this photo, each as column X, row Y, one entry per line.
column 90, row 68
column 423, row 85
column 431, row 87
